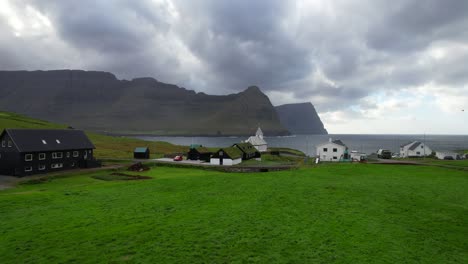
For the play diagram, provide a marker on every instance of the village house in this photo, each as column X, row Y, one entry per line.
column 258, row 141
column 198, row 152
column 141, row 153
column 32, row 151
column 333, row 150
column 414, row 149
column 248, row 151
column 227, row 156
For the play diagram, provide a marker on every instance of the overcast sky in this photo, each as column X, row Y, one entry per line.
column 368, row 66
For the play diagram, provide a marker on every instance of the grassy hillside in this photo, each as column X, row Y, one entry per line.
column 333, row 213
column 107, row 147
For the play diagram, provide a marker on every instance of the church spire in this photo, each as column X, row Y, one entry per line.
column 259, row 133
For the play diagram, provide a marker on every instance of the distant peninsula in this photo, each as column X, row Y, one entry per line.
column 100, row 102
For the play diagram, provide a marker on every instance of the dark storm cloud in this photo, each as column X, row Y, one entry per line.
column 242, row 42
column 360, row 47
column 415, row 24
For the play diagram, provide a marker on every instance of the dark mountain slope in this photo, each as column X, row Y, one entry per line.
column 300, row 119
column 99, row 101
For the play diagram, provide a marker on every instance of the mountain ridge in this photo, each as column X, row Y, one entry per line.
column 99, row 101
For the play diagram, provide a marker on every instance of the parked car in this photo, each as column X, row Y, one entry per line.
column 448, row 158
column 178, row 158
column 384, row 154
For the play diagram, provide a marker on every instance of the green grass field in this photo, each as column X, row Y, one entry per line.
column 333, row 213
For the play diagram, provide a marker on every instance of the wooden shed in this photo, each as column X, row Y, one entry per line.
column 141, row 153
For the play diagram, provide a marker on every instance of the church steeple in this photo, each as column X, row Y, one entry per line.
column 259, row 133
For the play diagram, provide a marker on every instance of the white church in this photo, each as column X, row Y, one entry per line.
column 257, row 141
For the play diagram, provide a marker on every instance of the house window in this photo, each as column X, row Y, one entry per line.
column 325, row 149
column 56, row 165
column 28, row 157
column 335, row 150
column 29, row 168
column 418, row 153
column 58, row 141
column 335, row 157
column 44, row 142
column 3, row 143
column 41, row 156
column 422, row 147
column 10, row 143
column 57, row 155
column 75, row 154
column 73, row 164
column 68, row 154
column 41, row 167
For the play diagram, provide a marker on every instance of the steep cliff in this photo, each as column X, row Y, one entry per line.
column 300, row 119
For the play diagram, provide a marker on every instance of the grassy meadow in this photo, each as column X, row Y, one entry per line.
column 331, row 213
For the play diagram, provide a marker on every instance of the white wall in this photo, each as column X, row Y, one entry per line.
column 261, row 148
column 226, row 162
column 329, row 155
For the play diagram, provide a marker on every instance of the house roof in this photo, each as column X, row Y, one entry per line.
column 232, row 152
column 406, row 144
column 201, row 149
column 193, row 146
column 32, row 140
column 339, row 142
column 256, row 141
column 415, row 145
column 245, row 147
column 141, row 150
column 336, row 142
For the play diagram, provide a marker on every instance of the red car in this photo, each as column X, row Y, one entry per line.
column 178, row 158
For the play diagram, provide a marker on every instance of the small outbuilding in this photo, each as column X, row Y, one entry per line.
column 199, row 153
column 141, row 153
column 450, row 155
column 227, row 156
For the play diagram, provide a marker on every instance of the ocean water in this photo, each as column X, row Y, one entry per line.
column 306, row 143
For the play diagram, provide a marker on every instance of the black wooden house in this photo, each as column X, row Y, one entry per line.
column 248, row 150
column 32, row 151
column 199, row 153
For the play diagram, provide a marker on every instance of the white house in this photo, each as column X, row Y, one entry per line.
column 415, row 149
column 227, row 157
column 333, row 150
column 442, row 154
column 258, row 142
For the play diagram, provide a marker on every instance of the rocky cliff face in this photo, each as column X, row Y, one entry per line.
column 99, row 101
column 300, row 119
